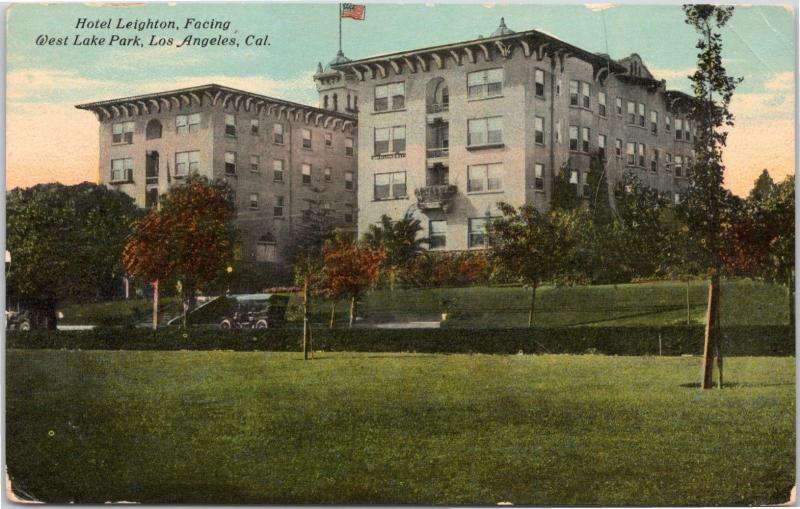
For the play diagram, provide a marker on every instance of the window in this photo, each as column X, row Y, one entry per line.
column 558, row 131
column 328, row 139
column 677, row 198
column 254, row 162
column 122, row 132
column 668, row 162
column 630, row 151
column 153, row 131
column 253, row 201
column 485, row 131
column 686, row 131
column 277, row 133
column 482, row 84
column 573, row 137
column 641, row 115
column 586, row 90
column 348, row 180
column 477, row 231
column 306, row 171
column 538, row 177
column 641, row 154
column 187, row 162
column 266, row 249
column 585, row 189
column 678, row 165
column 437, row 234
column 230, row 163
column 573, row 92
column 306, row 138
column 348, row 213
column 485, row 177
column 618, row 106
column 585, row 139
column 538, row 78
column 188, row 123
column 390, row 185
column 601, row 102
column 654, row 161
column 230, row 125
column 327, row 174
column 122, row 170
column 654, row 122
column 348, row 147
column 667, row 123
column 538, row 127
column 678, row 129
column 574, row 177
column 558, row 87
column 277, row 170
column 390, row 140
column 601, row 145
column 277, row 209
column 631, row 112
column 393, row 94
column 253, row 126
column 618, row 147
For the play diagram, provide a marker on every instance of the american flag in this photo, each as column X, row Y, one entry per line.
column 354, row 11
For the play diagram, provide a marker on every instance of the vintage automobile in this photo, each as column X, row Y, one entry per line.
column 242, row 311
column 18, row 320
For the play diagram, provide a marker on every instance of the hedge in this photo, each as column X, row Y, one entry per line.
column 674, row 340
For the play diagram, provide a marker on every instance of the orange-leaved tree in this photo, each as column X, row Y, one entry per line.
column 187, row 238
column 351, row 268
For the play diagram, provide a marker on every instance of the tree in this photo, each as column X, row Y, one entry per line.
column 188, row 238
column 401, row 242
column 565, row 195
column 713, row 90
column 65, row 242
column 352, row 268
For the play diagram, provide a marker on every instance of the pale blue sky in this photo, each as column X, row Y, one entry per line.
column 758, row 45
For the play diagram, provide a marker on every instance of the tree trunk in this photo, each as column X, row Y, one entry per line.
column 352, row 311
column 790, row 294
column 533, row 305
column 688, row 313
column 155, row 304
column 711, row 343
column 332, row 323
column 50, row 316
column 306, row 327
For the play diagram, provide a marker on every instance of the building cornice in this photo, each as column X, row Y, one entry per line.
column 212, row 95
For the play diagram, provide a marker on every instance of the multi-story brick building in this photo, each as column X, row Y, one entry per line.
column 280, row 158
column 447, row 132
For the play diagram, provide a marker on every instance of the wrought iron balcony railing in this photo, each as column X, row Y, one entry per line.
column 435, row 197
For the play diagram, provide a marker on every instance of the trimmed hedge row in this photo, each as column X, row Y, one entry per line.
column 671, row 340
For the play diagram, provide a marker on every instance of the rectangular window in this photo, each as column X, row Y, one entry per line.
column 485, row 177
column 327, row 174
column 641, row 154
column 585, row 190
column 641, row 115
column 558, row 131
column 678, row 129
column 585, row 139
column 667, row 123
column 187, row 162
column 348, row 147
column 277, row 134
column 390, row 140
column 586, row 89
column 484, row 131
column 574, row 178
column 630, row 151
column 482, row 84
column 253, row 201
column 668, row 162
column 122, row 170
column 654, row 161
column 253, row 126
column 573, row 137
column 254, row 164
column 618, row 106
column 187, row 123
column 538, row 177
column 618, row 147
column 574, row 85
column 348, row 213
column 538, row 78
column 601, row 102
column 328, row 139
column 230, row 163
column 306, row 172
column 631, row 112
column 277, row 209
column 277, row 170
column 306, row 138
column 538, row 127
column 122, row 132
column 437, row 234
column 678, row 164
column 390, row 185
column 654, row 122
column 686, row 131
column 601, row 145
column 348, row 180
column 389, row 96
column 230, row 125
column 477, row 231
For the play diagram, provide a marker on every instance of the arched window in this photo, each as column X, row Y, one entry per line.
column 153, row 130
column 437, row 95
column 325, row 102
column 335, row 102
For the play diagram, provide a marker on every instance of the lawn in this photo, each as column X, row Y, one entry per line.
column 348, row 428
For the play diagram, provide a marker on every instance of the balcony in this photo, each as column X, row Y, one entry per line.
column 438, row 107
column 438, row 197
column 438, row 152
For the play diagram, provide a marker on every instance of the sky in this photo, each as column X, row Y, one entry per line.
column 47, row 139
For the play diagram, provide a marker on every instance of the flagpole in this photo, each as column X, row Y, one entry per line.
column 340, row 28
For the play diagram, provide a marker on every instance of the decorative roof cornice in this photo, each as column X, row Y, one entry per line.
column 212, row 95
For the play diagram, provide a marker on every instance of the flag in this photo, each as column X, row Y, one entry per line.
column 354, row 11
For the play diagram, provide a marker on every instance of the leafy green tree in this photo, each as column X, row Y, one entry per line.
column 713, row 90
column 401, row 242
column 600, row 205
column 65, row 243
column 565, row 196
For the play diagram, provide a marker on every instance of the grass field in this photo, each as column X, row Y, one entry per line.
column 231, row 427
column 744, row 302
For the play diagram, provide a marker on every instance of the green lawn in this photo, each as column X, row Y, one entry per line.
column 349, row 428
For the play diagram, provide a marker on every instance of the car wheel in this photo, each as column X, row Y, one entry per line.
column 261, row 324
column 25, row 326
column 225, row 325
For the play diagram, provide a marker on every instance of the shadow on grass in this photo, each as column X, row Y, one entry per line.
column 405, row 355
column 664, row 309
column 734, row 385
